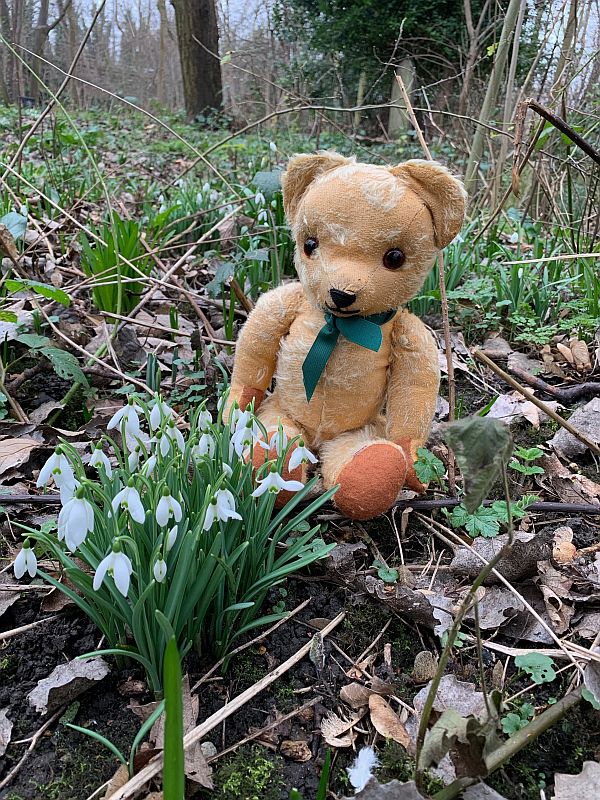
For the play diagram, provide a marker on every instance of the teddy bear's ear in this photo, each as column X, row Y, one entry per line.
column 302, row 171
column 442, row 193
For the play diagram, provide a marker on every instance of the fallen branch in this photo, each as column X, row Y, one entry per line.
column 155, row 764
column 568, row 394
column 539, row 403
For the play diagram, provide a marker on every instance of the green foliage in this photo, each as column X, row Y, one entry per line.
column 486, row 520
column 65, row 364
column 117, row 262
column 173, row 770
column 538, row 666
column 15, row 223
column 428, row 467
column 384, row 572
column 195, row 541
column 51, row 292
column 514, row 721
column 482, row 447
column 523, row 454
column 250, row 774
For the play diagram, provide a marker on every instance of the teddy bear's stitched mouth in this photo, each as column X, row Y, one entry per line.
column 345, row 311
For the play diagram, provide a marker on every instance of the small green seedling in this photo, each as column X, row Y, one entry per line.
column 387, row 574
column 522, row 458
column 513, row 722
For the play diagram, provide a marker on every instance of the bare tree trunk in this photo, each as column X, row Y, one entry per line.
column 201, row 70
column 473, row 52
column 161, row 89
column 5, row 60
column 492, row 91
column 566, row 55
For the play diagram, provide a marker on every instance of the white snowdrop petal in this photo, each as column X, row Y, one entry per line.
column 20, row 564
column 31, row 562
column 121, row 573
column 162, row 512
column 101, row 572
column 135, row 507
column 292, row 486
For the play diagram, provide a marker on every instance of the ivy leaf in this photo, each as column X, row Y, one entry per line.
column 538, row 666
column 428, row 467
column 51, row 292
column 482, row 447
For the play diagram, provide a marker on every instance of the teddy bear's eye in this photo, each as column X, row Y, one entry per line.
column 310, row 245
column 394, row 259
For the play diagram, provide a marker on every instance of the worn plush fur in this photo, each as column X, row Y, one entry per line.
column 370, row 411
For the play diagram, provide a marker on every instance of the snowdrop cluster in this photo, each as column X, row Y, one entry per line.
column 159, row 513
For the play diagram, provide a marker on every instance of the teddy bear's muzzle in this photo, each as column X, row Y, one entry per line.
column 342, row 299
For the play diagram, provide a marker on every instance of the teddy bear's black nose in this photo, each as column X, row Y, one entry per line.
column 342, row 299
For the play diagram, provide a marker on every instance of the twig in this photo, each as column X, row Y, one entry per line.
column 245, row 301
column 34, row 740
column 443, row 298
column 262, row 635
column 266, row 729
column 16, row 631
column 539, row 403
column 155, row 764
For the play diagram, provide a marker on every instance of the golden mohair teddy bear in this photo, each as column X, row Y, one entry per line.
column 356, row 374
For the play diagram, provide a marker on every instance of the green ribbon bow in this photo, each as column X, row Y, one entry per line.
column 365, row 331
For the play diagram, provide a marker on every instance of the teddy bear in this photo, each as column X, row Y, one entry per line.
column 356, row 374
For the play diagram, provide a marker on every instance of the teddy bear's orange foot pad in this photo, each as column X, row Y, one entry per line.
column 370, row 481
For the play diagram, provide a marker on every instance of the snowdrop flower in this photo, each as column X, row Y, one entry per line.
column 275, row 483
column 361, row 771
column 25, row 561
column 75, row 521
column 301, row 455
column 227, row 469
column 204, row 420
column 134, row 459
column 214, row 196
column 199, row 199
column 163, row 442
column 116, row 564
column 206, row 187
column 222, row 506
column 262, row 217
column 514, row 237
column 205, row 447
column 58, row 468
column 279, row 440
column 172, row 537
column 129, row 413
column 160, row 411
column 247, row 436
column 259, row 199
column 520, row 273
column 148, row 467
column 273, row 147
column 168, row 507
column 67, row 490
column 100, row 459
column 159, row 570
column 174, row 435
column 129, row 500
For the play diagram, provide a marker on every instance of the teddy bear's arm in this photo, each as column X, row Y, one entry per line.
column 413, row 383
column 258, row 343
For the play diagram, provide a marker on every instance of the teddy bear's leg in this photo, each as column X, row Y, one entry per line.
column 370, row 470
column 271, row 415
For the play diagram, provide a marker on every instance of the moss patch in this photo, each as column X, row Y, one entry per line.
column 251, row 774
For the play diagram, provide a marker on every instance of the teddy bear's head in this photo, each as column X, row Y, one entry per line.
column 366, row 236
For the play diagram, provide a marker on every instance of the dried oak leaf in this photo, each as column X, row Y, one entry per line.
column 582, row 787
column 555, row 588
column 569, row 486
column 66, row 682
column 386, row 722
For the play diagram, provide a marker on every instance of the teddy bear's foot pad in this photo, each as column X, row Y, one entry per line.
column 370, row 481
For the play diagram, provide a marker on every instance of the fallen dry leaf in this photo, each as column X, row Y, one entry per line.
column 519, row 562
column 563, row 550
column 513, row 406
column 591, row 677
column 356, row 695
column 14, row 452
column 295, row 750
column 496, row 607
column 555, row 587
column 581, row 355
column 66, row 682
column 587, row 421
column 589, row 625
column 5, row 730
column 569, row 486
column 386, row 722
column 522, row 362
column 337, row 732
column 582, row 787
column 460, row 696
column 7, row 244
column 424, row 667
column 8, row 596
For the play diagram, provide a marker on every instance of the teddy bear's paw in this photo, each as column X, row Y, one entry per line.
column 371, row 480
column 300, row 473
